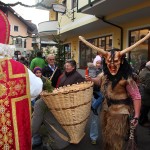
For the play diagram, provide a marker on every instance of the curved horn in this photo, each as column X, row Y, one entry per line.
column 135, row 45
column 92, row 46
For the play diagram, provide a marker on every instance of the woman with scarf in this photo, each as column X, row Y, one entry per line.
column 70, row 75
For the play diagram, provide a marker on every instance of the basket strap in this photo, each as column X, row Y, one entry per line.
column 59, row 134
column 53, row 73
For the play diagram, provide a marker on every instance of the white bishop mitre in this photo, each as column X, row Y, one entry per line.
column 36, row 83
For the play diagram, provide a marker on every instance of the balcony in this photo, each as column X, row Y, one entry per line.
column 115, row 11
column 105, row 7
column 48, row 28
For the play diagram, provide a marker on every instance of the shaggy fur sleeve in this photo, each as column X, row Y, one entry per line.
column 133, row 90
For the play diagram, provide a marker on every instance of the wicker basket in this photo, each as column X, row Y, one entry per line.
column 71, row 107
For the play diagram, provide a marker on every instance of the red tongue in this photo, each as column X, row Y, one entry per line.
column 112, row 67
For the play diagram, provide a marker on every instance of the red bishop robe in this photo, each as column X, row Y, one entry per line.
column 4, row 28
column 15, row 112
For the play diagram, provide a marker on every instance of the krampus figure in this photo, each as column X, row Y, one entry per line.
column 122, row 97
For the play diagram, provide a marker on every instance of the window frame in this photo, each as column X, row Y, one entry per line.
column 17, row 28
column 83, row 49
column 133, row 39
column 73, row 4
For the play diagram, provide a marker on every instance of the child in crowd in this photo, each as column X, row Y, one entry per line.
column 94, row 69
column 96, row 91
column 38, row 72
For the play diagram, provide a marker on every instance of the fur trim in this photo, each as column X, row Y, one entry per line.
column 115, row 128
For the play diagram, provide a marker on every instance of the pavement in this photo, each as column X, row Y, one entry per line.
column 142, row 136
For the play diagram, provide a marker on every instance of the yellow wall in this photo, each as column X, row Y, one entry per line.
column 82, row 3
column 52, row 15
column 81, row 19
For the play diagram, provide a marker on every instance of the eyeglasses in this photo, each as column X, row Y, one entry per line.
column 51, row 59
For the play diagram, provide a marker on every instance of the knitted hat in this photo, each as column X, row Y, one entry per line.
column 36, row 68
column 97, row 58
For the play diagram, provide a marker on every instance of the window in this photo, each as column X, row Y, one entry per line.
column 141, row 53
column 67, row 48
column 64, row 2
column 74, row 3
column 87, row 54
column 16, row 28
column 105, row 42
column 132, row 39
column 25, row 43
column 18, row 42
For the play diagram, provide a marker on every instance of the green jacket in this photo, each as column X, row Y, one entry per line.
column 37, row 62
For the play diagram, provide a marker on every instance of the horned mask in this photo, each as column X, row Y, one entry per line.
column 113, row 59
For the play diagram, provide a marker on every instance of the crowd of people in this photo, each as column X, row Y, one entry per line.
column 106, row 107
column 120, row 97
column 96, row 70
column 41, row 114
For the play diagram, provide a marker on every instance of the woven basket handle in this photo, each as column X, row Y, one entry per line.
column 59, row 134
column 53, row 73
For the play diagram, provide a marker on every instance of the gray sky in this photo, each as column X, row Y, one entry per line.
column 36, row 15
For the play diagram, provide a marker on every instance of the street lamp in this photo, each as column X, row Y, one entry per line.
column 62, row 9
column 59, row 8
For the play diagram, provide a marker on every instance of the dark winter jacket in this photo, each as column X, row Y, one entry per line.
column 47, row 72
column 144, row 77
column 71, row 78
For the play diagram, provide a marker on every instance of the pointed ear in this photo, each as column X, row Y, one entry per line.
column 105, row 55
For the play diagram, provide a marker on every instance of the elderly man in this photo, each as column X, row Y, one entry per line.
column 51, row 70
column 144, row 77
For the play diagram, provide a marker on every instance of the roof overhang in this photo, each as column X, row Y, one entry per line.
column 106, row 7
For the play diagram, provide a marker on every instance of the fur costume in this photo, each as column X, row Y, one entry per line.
column 118, row 88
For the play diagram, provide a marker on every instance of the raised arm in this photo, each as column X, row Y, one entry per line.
column 133, row 91
column 96, row 80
